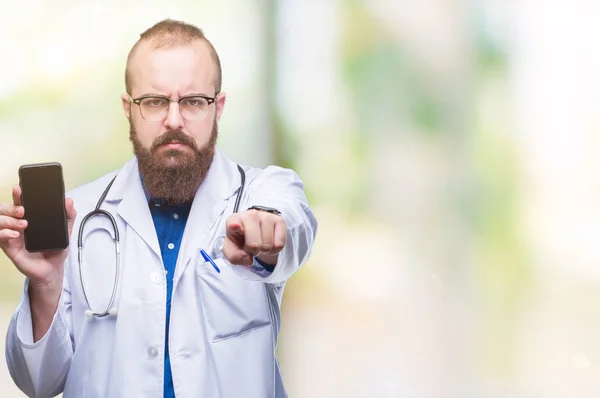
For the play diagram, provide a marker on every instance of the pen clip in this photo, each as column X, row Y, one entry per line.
column 210, row 260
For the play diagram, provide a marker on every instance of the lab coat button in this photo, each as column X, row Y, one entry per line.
column 171, row 246
column 156, row 278
column 152, row 352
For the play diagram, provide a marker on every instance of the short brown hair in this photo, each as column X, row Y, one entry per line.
column 168, row 33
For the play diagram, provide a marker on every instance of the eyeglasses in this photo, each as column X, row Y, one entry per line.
column 154, row 108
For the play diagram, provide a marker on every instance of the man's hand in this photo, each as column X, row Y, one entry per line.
column 254, row 233
column 42, row 268
column 45, row 270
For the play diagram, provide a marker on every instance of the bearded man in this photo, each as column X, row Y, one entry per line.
column 203, row 248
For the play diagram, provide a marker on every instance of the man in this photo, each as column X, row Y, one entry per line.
column 181, row 325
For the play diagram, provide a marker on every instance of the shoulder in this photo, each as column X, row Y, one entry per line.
column 275, row 186
column 270, row 177
column 273, row 176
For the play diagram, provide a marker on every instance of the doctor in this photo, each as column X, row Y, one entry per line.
column 179, row 326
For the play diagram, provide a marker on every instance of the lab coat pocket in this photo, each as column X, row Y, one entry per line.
column 232, row 306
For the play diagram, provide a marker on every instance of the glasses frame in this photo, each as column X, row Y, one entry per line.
column 138, row 100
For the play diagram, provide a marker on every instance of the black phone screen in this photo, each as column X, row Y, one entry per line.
column 43, row 198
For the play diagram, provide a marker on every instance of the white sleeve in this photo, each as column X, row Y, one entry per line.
column 39, row 369
column 284, row 190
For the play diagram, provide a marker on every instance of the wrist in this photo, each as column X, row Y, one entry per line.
column 45, row 289
column 44, row 298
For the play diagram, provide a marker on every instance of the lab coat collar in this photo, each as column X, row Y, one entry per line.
column 222, row 180
column 221, row 184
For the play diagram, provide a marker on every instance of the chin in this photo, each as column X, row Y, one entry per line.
column 173, row 161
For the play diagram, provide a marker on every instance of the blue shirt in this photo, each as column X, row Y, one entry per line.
column 169, row 222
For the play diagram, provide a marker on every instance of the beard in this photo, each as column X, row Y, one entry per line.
column 173, row 175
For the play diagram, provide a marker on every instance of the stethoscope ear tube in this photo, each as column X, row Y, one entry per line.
column 236, row 206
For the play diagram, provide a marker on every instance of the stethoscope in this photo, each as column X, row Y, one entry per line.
column 109, row 310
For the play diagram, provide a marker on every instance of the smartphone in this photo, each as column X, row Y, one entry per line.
column 43, row 198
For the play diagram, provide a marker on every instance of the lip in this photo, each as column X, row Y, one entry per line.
column 174, row 145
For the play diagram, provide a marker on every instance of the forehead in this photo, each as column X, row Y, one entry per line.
column 181, row 69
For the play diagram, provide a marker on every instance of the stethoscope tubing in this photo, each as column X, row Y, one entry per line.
column 109, row 310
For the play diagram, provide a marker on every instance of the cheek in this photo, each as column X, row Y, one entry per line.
column 201, row 132
column 147, row 133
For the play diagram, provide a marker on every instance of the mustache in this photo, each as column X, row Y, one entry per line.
column 173, row 135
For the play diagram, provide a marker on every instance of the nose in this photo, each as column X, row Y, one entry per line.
column 174, row 120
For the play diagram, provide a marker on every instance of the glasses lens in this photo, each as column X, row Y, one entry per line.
column 194, row 109
column 154, row 109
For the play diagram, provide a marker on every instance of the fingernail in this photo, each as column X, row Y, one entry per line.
column 14, row 234
column 22, row 223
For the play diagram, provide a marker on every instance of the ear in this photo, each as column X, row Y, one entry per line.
column 126, row 105
column 220, row 104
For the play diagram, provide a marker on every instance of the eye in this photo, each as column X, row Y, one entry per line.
column 154, row 102
column 196, row 102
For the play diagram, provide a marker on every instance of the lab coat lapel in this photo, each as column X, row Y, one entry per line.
column 211, row 200
column 133, row 206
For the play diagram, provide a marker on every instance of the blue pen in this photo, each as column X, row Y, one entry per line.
column 210, row 260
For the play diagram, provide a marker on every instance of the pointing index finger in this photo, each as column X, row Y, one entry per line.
column 235, row 226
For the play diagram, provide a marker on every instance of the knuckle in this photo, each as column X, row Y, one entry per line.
column 6, row 235
column 7, row 222
column 263, row 215
column 253, row 245
column 253, row 215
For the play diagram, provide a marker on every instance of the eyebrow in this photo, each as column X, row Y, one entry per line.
column 153, row 95
column 197, row 95
column 166, row 96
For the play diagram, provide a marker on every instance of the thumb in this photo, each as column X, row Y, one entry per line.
column 71, row 213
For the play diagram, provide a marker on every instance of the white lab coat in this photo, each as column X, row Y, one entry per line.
column 223, row 326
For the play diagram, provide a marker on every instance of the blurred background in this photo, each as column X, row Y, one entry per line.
column 450, row 150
